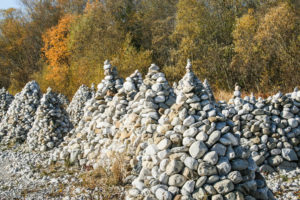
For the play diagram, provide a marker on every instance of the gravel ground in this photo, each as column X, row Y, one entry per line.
column 285, row 185
column 26, row 175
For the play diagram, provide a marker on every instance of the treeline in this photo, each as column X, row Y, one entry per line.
column 63, row 43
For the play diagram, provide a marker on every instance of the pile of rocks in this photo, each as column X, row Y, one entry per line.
column 20, row 115
column 110, row 84
column 83, row 141
column 196, row 155
column 141, row 121
column 270, row 128
column 75, row 108
column 95, row 106
column 96, row 151
column 119, row 106
column 5, row 101
column 63, row 100
column 51, row 123
column 209, row 91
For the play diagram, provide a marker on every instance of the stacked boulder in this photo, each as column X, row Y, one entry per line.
column 20, row 115
column 270, row 128
column 141, row 120
column 75, row 108
column 196, row 155
column 51, row 123
column 99, row 151
column 96, row 105
column 63, row 100
column 119, row 106
column 111, row 83
column 5, row 101
column 84, row 139
column 209, row 91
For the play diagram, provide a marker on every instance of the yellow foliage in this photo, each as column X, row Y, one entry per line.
column 128, row 59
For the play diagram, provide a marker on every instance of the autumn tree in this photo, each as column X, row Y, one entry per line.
column 57, row 54
column 94, row 37
column 189, row 35
column 267, row 50
column 277, row 41
column 153, row 24
column 244, row 61
column 63, row 43
column 17, row 60
column 128, row 58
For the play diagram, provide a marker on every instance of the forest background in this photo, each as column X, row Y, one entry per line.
column 63, row 43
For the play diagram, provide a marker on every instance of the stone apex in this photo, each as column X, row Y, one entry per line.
column 49, row 89
column 237, row 87
column 296, row 89
column 188, row 65
column 153, row 67
column 107, row 65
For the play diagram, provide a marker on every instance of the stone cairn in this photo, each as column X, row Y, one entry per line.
column 51, row 123
column 63, row 100
column 20, row 115
column 209, row 91
column 5, row 101
column 107, row 124
column 196, row 155
column 83, row 141
column 270, row 128
column 75, row 108
column 118, row 107
column 140, row 123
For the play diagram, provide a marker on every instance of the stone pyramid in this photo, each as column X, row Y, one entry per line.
column 120, row 103
column 64, row 100
column 75, row 108
column 20, row 115
column 196, row 155
column 269, row 128
column 5, row 101
column 73, row 146
column 107, row 123
column 209, row 91
column 140, row 123
column 51, row 123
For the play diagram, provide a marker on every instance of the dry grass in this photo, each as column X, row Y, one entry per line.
column 110, row 181
column 222, row 95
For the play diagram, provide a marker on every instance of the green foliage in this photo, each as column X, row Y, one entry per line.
column 128, row 59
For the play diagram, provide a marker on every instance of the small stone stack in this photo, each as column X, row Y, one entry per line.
column 119, row 105
column 64, row 100
column 5, row 101
column 95, row 106
column 110, row 85
column 107, row 123
column 84, row 138
column 269, row 128
column 20, row 115
column 144, row 111
column 51, row 123
column 209, row 91
column 195, row 154
column 75, row 108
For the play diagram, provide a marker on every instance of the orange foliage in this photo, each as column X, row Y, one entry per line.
column 56, row 52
